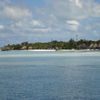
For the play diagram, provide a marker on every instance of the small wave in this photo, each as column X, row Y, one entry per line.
column 52, row 55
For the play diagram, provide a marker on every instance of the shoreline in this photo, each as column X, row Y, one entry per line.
column 50, row 50
column 61, row 50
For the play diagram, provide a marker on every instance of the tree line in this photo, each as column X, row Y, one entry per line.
column 58, row 45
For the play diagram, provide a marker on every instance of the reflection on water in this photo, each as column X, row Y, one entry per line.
column 49, row 75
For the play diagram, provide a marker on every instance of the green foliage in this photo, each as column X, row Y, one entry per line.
column 17, row 47
column 71, row 44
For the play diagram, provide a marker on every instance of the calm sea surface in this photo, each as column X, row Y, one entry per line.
column 61, row 75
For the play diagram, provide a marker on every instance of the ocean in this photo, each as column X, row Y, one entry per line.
column 49, row 75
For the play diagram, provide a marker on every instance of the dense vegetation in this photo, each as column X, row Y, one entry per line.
column 58, row 45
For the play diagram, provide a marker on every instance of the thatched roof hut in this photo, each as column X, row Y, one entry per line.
column 30, row 48
column 94, row 46
column 83, row 46
column 24, row 48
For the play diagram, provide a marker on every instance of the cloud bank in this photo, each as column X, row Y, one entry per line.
column 57, row 19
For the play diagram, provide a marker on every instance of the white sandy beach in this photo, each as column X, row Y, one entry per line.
column 60, row 50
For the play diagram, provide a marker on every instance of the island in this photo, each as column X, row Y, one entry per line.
column 81, row 44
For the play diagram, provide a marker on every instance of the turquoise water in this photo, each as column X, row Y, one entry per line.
column 61, row 75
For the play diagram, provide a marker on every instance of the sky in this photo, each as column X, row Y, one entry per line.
column 47, row 20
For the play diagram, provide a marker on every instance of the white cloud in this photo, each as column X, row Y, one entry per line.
column 36, row 23
column 78, row 3
column 30, row 26
column 73, row 25
column 2, row 27
column 42, row 29
column 19, row 24
column 15, row 13
column 96, row 10
column 73, row 9
column 73, row 22
column 3, row 36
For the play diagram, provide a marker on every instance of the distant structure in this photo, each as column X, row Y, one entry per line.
column 76, row 37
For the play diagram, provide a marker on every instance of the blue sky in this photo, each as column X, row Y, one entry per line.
column 97, row 1
column 38, row 3
column 46, row 20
